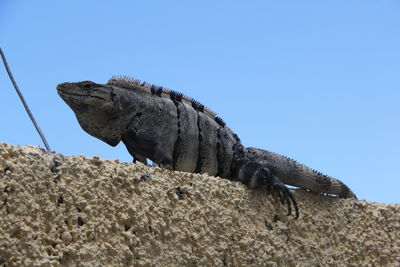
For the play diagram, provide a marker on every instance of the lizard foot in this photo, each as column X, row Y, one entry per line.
column 286, row 197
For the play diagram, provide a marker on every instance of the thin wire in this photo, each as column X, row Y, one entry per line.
column 23, row 101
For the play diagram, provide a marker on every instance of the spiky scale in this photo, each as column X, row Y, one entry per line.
column 220, row 121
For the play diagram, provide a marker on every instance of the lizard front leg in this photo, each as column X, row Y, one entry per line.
column 137, row 157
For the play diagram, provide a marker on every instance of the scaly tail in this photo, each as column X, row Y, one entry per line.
column 293, row 173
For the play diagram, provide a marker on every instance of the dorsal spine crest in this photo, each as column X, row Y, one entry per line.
column 131, row 83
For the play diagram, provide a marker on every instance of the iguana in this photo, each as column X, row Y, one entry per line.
column 179, row 133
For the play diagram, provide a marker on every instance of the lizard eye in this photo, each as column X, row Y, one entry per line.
column 87, row 85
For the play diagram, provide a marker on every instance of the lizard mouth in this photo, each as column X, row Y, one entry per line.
column 75, row 96
column 64, row 94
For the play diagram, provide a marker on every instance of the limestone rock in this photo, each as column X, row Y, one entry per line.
column 57, row 210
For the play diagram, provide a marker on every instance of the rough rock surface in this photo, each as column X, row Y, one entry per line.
column 73, row 211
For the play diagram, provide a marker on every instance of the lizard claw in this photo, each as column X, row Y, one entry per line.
column 286, row 197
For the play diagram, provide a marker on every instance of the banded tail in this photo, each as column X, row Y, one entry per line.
column 294, row 173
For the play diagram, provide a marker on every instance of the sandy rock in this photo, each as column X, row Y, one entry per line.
column 57, row 210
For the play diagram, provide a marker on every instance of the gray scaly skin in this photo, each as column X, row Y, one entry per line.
column 179, row 133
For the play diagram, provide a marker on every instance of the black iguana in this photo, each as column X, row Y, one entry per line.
column 179, row 133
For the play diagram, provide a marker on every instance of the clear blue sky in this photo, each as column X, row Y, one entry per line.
column 318, row 81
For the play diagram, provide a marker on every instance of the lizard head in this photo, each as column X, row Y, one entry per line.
column 97, row 107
